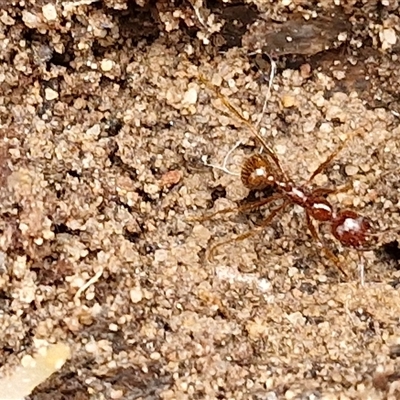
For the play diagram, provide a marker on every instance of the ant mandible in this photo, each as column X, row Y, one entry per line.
column 261, row 171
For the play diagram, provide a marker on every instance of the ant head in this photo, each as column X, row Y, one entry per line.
column 257, row 173
column 353, row 229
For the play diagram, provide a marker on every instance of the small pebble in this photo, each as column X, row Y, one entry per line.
column 288, row 101
column 335, row 112
column 116, row 394
column 49, row 12
column 296, row 318
column 325, row 127
column 94, row 131
column 289, row 395
column 155, row 356
column 388, row 38
column 50, row 94
column 30, row 20
column 305, row 70
column 280, row 149
column 190, row 97
column 106, row 65
column 200, row 232
column 136, row 295
column 151, row 188
column 171, row 178
column 351, row 170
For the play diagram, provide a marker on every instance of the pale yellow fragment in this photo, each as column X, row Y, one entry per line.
column 33, row 371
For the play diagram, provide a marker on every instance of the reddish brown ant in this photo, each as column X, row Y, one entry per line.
column 261, row 171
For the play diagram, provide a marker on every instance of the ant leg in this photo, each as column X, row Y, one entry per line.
column 327, row 191
column 249, row 233
column 244, row 207
column 326, row 250
column 333, row 155
column 223, row 167
column 328, row 160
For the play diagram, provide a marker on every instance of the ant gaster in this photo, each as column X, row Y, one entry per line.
column 262, row 171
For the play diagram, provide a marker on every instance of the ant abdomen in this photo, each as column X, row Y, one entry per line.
column 257, row 173
column 352, row 229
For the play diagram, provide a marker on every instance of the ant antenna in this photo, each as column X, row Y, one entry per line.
column 268, row 94
column 269, row 90
column 223, row 168
column 252, row 129
column 196, row 8
column 267, row 97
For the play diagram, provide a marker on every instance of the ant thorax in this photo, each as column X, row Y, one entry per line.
column 299, row 195
column 317, row 206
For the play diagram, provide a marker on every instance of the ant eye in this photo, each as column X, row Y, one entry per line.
column 257, row 173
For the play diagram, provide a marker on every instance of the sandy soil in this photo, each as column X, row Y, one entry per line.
column 105, row 123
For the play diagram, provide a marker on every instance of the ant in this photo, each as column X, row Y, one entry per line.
column 263, row 171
